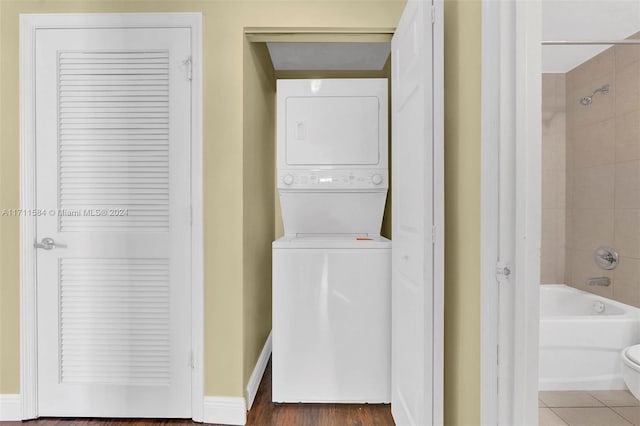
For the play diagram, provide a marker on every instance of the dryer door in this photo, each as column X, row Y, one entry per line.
column 332, row 130
column 332, row 123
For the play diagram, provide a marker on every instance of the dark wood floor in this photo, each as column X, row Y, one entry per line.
column 263, row 413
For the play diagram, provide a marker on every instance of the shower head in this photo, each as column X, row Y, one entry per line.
column 604, row 89
column 587, row 100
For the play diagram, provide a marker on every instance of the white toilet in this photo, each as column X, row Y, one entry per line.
column 631, row 369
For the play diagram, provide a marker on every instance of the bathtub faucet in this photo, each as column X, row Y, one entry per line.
column 599, row 281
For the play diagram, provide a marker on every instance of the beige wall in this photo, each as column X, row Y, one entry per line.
column 258, row 202
column 552, row 264
column 462, row 60
column 603, row 171
column 233, row 331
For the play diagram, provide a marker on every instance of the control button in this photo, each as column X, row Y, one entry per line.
column 376, row 179
column 287, row 179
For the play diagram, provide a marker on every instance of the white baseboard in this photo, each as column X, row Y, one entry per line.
column 258, row 372
column 227, row 410
column 10, row 407
column 217, row 409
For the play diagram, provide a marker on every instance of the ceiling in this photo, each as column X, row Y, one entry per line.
column 329, row 56
column 561, row 20
column 584, row 20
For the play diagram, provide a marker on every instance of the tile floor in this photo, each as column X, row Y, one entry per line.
column 588, row 408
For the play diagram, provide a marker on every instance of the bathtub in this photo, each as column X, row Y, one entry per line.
column 580, row 346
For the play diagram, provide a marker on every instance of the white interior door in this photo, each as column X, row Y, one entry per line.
column 113, row 191
column 417, row 302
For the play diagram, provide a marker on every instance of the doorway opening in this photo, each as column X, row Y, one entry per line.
column 552, row 196
column 589, row 232
column 260, row 76
column 271, row 54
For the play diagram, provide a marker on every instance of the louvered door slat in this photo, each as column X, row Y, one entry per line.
column 113, row 122
column 111, row 333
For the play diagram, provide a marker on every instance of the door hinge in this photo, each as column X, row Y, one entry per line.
column 503, row 271
column 433, row 14
column 189, row 64
column 434, row 234
column 191, row 362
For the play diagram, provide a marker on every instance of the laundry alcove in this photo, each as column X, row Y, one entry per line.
column 270, row 54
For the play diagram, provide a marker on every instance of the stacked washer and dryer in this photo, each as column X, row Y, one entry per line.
column 332, row 269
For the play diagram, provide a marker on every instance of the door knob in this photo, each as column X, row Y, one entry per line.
column 48, row 244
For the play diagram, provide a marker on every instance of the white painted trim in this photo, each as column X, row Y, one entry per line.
column 29, row 23
column 10, row 407
column 225, row 410
column 506, row 211
column 197, row 218
column 258, row 372
column 110, row 20
column 438, row 214
column 490, row 111
column 28, row 308
column 528, row 68
column 510, row 223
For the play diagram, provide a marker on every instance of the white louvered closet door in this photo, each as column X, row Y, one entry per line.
column 113, row 191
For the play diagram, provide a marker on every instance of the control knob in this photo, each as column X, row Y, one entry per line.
column 287, row 179
column 376, row 179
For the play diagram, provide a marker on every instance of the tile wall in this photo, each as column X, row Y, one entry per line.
column 602, row 173
column 552, row 262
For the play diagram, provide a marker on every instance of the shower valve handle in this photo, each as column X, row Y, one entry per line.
column 606, row 258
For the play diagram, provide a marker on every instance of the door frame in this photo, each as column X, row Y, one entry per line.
column 29, row 24
column 510, row 210
column 438, row 232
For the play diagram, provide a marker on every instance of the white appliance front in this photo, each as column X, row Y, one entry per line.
column 308, row 212
column 332, row 320
column 332, row 123
column 332, row 155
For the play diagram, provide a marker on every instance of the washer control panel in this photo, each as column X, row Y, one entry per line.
column 336, row 179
